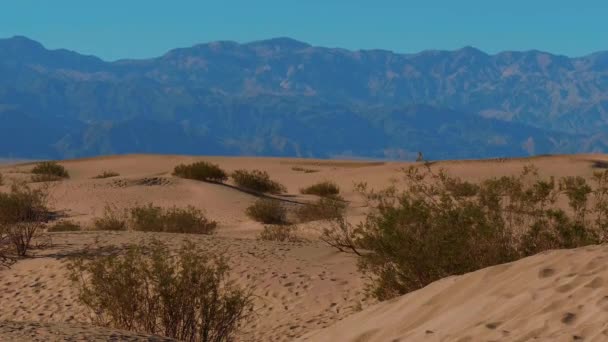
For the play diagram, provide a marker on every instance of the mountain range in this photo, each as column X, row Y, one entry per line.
column 282, row 97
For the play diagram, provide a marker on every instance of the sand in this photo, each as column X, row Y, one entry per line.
column 306, row 290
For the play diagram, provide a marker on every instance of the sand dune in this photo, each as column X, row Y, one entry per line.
column 304, row 288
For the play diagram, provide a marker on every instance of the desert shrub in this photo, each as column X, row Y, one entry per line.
column 202, row 171
column 267, row 211
column 112, row 219
column 43, row 178
column 187, row 296
column 1, row 180
column 323, row 189
column 305, row 170
column 441, row 226
column 64, row 226
column 51, row 168
column 23, row 214
column 173, row 220
column 325, row 208
column 281, row 233
column 257, row 181
column 107, row 174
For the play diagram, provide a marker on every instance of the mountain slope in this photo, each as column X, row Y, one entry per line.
column 284, row 97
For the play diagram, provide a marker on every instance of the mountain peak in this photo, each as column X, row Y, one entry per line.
column 280, row 42
column 21, row 43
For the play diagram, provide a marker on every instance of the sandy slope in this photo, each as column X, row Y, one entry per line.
column 554, row 296
column 305, row 287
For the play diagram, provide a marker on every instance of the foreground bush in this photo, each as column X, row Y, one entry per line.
column 323, row 189
column 23, row 214
column 113, row 219
column 267, row 211
column 187, row 296
column 281, row 233
column 441, row 226
column 51, row 169
column 173, row 220
column 202, row 171
column 322, row 209
column 257, row 181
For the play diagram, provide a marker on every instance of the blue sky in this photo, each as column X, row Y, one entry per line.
column 114, row 29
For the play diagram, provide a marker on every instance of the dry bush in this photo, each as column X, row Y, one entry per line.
column 281, row 233
column 64, row 226
column 51, row 168
column 301, row 169
column 190, row 220
column 44, row 178
column 113, row 219
column 23, row 214
column 1, row 180
column 267, row 211
column 441, row 226
column 107, row 174
column 187, row 296
column 323, row 189
column 257, row 181
column 324, row 208
column 202, row 171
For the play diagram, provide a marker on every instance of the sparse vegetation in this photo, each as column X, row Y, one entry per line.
column 50, row 169
column 281, row 233
column 441, row 226
column 323, row 189
column 325, row 208
column 187, row 296
column 23, row 213
column 202, row 171
column 107, row 174
column 267, row 211
column 1, row 180
column 190, row 220
column 258, row 181
column 305, row 170
column 65, row 226
column 43, row 178
column 112, row 219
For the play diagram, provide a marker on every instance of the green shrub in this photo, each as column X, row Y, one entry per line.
column 267, row 211
column 281, row 233
column 324, row 208
column 23, row 213
column 50, row 168
column 173, row 220
column 113, row 219
column 323, row 189
column 188, row 296
column 257, row 181
column 107, row 174
column 202, row 171
column 65, row 226
column 441, row 226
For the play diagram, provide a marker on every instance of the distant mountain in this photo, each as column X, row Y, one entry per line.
column 281, row 97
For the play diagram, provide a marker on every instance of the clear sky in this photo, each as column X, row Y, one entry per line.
column 113, row 29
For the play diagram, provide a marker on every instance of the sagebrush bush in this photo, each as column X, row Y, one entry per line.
column 64, row 226
column 202, row 171
column 113, row 219
column 258, row 181
column 267, row 211
column 187, row 296
column 441, row 226
column 51, row 168
column 323, row 189
column 23, row 213
column 172, row 220
column 106, row 174
column 325, row 208
column 281, row 233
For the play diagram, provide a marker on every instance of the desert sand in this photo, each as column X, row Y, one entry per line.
column 307, row 290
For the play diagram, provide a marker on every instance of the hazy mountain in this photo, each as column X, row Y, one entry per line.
column 286, row 98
